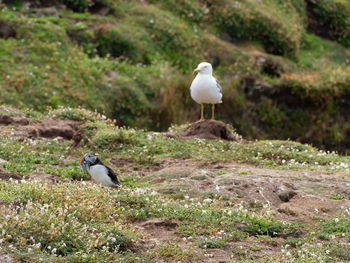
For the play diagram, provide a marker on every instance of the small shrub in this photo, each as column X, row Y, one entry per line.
column 214, row 242
column 258, row 226
column 339, row 196
column 333, row 17
column 78, row 5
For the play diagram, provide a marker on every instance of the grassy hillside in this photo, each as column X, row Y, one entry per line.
column 182, row 200
column 283, row 65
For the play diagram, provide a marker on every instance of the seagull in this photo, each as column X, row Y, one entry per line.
column 205, row 88
column 98, row 171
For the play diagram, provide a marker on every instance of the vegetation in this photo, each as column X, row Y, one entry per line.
column 122, row 68
column 78, row 221
column 134, row 63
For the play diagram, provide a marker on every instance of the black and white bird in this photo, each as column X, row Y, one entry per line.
column 205, row 88
column 98, row 171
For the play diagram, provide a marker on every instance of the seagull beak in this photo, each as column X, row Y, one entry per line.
column 196, row 71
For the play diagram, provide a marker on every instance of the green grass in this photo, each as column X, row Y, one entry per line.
column 77, row 221
column 133, row 68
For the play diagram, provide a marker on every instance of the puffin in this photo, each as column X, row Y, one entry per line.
column 99, row 172
column 205, row 88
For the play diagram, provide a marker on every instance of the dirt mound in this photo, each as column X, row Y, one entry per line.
column 47, row 128
column 7, row 120
column 156, row 222
column 6, row 30
column 5, row 176
column 52, row 128
column 207, row 129
column 49, row 178
column 121, row 163
column 159, row 229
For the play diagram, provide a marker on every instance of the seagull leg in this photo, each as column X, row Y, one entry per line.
column 212, row 111
column 202, row 112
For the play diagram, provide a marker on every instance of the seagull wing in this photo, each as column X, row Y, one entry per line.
column 112, row 175
column 218, row 85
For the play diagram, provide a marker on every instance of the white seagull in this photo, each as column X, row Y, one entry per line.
column 205, row 88
column 98, row 171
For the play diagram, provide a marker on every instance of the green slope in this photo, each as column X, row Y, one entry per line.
column 283, row 65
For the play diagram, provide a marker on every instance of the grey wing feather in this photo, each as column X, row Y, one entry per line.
column 218, row 85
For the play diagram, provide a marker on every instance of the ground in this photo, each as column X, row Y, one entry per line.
column 181, row 200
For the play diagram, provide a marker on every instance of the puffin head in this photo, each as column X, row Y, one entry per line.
column 87, row 160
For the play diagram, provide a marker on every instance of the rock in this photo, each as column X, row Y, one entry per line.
column 285, row 196
column 48, row 11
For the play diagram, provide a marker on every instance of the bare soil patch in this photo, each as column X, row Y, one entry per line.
column 5, row 176
column 52, row 128
column 132, row 167
column 295, row 195
column 157, row 230
column 6, row 30
column 47, row 128
column 8, row 120
column 49, row 178
column 122, row 163
column 299, row 196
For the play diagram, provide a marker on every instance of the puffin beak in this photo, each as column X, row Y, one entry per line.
column 83, row 164
column 196, row 71
column 83, row 167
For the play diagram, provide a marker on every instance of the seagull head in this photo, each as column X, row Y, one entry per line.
column 87, row 160
column 204, row 68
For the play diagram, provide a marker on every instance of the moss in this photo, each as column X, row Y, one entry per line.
column 279, row 31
